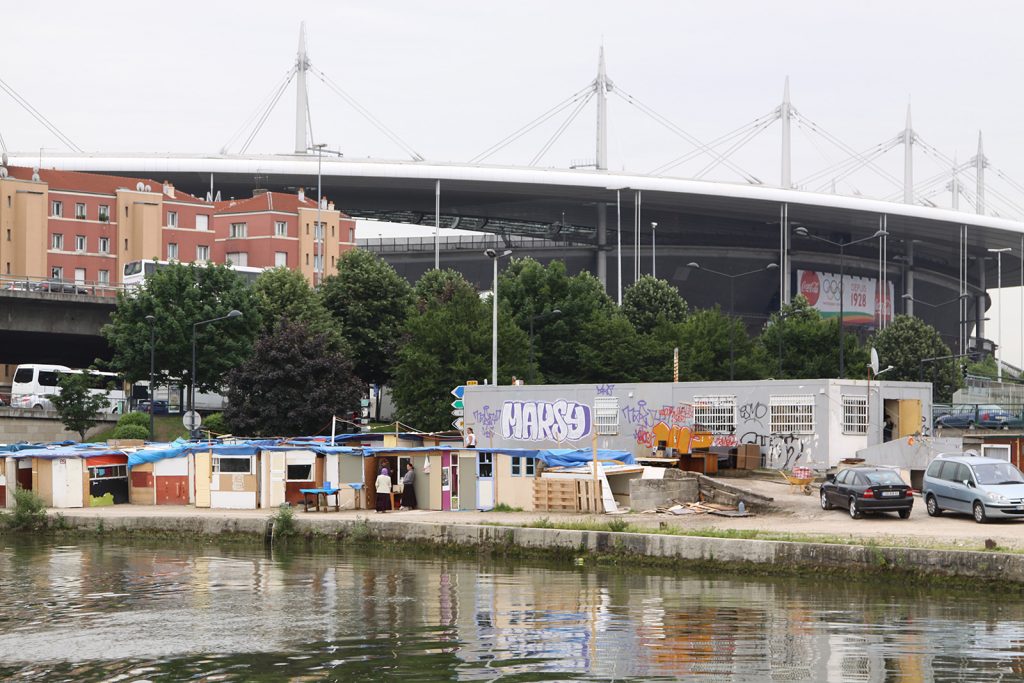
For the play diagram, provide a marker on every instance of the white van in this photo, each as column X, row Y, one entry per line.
column 33, row 383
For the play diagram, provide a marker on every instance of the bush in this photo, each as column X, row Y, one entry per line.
column 29, row 511
column 284, row 522
column 131, row 431
column 215, row 424
column 141, row 419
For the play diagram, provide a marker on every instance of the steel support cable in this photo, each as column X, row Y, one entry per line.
column 846, row 148
column 855, row 160
column 814, row 143
column 377, row 123
column 732, row 149
column 263, row 118
column 3, row 145
column 851, row 166
column 561, row 129
column 309, row 123
column 515, row 135
column 259, row 109
column 39, row 117
column 722, row 139
column 933, row 150
column 1013, row 183
column 989, row 190
column 749, row 177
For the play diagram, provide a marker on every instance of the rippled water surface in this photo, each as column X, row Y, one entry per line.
column 106, row 611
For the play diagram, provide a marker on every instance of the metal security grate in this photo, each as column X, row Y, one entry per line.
column 716, row 414
column 606, row 415
column 792, row 414
column 855, row 415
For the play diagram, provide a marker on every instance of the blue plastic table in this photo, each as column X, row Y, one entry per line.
column 317, row 493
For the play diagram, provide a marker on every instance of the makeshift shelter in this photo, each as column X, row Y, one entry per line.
column 162, row 474
column 226, row 475
column 71, row 476
column 289, row 467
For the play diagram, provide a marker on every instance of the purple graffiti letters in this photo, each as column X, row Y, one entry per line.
column 487, row 419
column 543, row 421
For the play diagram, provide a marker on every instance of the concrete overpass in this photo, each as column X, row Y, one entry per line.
column 51, row 327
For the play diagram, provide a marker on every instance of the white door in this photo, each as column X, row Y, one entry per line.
column 275, row 484
column 485, row 481
column 67, row 483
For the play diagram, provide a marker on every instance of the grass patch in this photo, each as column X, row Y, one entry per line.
column 504, row 507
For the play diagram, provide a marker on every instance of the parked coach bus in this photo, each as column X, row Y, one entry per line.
column 34, row 384
column 136, row 272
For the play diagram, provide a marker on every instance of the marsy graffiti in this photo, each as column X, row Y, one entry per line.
column 544, row 421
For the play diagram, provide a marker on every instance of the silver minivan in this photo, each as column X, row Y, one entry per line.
column 983, row 487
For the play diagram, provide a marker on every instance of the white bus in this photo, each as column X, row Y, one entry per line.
column 136, row 272
column 34, row 383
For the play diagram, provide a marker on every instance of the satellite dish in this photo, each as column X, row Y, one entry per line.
column 874, row 361
column 3, row 172
column 140, row 186
column 149, row 188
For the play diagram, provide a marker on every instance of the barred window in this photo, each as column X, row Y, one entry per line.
column 606, row 415
column 792, row 414
column 716, row 414
column 855, row 415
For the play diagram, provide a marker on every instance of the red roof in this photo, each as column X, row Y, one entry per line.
column 268, row 201
column 96, row 183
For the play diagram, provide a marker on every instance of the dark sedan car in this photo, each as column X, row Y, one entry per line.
column 986, row 416
column 159, row 407
column 867, row 489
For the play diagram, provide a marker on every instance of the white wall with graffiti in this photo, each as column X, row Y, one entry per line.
column 795, row 422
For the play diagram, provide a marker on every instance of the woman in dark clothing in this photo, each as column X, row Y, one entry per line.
column 383, row 488
column 408, row 492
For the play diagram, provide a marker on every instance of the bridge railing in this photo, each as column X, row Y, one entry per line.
column 393, row 245
column 24, row 283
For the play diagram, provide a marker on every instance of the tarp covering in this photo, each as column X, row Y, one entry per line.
column 568, row 457
column 76, row 451
column 154, row 452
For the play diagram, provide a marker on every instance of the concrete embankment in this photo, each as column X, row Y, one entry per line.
column 679, row 551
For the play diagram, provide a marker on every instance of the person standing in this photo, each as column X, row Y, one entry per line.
column 408, row 492
column 470, row 438
column 383, row 488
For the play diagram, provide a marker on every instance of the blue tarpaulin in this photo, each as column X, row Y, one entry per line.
column 154, row 452
column 66, row 452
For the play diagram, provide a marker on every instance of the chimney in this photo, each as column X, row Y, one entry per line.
column 330, row 206
column 168, row 189
column 302, row 194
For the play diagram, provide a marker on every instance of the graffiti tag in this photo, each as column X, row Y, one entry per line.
column 753, row 412
column 605, row 389
column 544, row 421
column 488, row 420
column 782, row 450
column 639, row 415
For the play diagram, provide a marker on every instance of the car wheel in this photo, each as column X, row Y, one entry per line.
column 855, row 512
column 826, row 504
column 932, row 506
column 904, row 514
column 37, row 406
column 979, row 512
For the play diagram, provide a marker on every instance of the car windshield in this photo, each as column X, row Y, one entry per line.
column 998, row 473
column 882, row 477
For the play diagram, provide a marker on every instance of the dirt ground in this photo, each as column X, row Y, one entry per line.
column 795, row 513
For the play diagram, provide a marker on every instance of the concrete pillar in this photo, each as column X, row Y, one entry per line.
column 908, row 280
column 979, row 306
column 601, row 254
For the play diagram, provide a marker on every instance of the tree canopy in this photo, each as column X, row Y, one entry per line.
column 76, row 404
column 649, row 301
column 906, row 343
column 283, row 294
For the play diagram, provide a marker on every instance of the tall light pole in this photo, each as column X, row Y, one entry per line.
column 550, row 314
column 732, row 302
column 999, row 329
column 151, row 320
column 802, row 232
column 494, row 256
column 234, row 313
column 319, row 232
column 654, row 251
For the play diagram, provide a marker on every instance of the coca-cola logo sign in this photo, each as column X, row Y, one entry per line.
column 810, row 286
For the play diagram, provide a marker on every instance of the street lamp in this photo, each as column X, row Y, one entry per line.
column 234, row 313
column 494, row 256
column 732, row 302
column 151, row 320
column 654, row 251
column 541, row 316
column 319, row 232
column 802, row 232
column 999, row 329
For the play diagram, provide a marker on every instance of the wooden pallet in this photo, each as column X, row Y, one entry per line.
column 565, row 495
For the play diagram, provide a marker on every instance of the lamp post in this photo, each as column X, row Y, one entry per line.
column 541, row 316
column 234, row 313
column 319, row 232
column 494, row 256
column 802, row 232
column 732, row 302
column 151, row 320
column 654, row 251
column 781, row 317
column 999, row 329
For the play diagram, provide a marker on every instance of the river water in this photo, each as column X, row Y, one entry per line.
column 108, row 611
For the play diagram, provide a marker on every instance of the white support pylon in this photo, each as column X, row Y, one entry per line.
column 908, row 161
column 979, row 172
column 301, row 102
column 955, row 186
column 602, row 85
column 785, row 112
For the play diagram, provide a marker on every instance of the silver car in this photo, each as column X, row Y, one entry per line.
column 986, row 488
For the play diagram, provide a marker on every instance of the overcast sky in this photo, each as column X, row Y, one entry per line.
column 453, row 77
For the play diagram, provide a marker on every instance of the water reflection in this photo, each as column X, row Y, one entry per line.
column 108, row 611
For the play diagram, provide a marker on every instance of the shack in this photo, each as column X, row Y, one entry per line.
column 226, row 475
column 161, row 474
column 71, row 476
column 287, row 468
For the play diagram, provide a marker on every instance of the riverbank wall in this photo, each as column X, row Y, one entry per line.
column 585, row 547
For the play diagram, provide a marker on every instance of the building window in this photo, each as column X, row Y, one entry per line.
column 238, row 258
column 172, row 251
column 855, row 415
column 80, row 211
column 237, row 230
column 231, row 465
column 109, row 472
column 716, row 414
column 280, row 229
column 792, row 414
column 202, row 253
column 172, row 219
column 58, row 241
column 202, row 222
column 8, row 234
column 318, row 231
column 103, row 277
column 79, row 242
column 280, row 259
column 523, row 466
column 104, row 213
column 318, row 263
column 300, row 473
column 56, row 273
column 79, row 276
column 104, row 245
column 606, row 414
column 57, row 209
column 485, row 466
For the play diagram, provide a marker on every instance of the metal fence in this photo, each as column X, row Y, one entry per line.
column 396, row 245
column 23, row 283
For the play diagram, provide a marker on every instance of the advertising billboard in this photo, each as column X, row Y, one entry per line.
column 864, row 302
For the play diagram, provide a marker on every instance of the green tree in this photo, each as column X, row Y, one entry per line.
column 448, row 341
column 649, row 301
column 905, row 343
column 296, row 379
column 282, row 293
column 76, row 404
column 177, row 296
column 372, row 302
column 704, row 347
